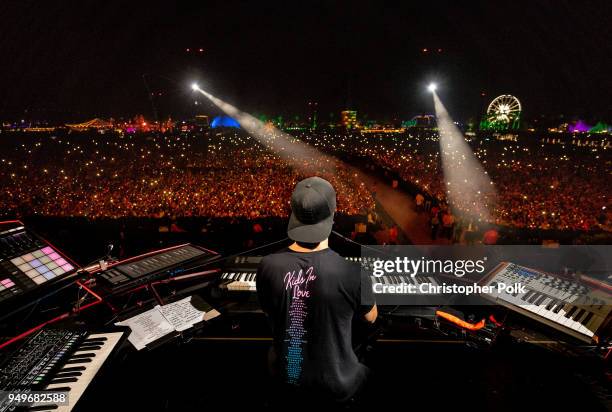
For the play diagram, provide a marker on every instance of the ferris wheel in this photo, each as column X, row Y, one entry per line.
column 504, row 111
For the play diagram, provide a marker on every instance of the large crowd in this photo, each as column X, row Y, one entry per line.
column 233, row 175
column 229, row 176
column 536, row 186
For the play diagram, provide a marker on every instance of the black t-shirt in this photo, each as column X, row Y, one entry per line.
column 311, row 299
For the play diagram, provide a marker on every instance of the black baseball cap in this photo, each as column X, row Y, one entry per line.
column 313, row 204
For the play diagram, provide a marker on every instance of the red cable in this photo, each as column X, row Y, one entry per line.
column 34, row 329
column 58, row 318
column 492, row 319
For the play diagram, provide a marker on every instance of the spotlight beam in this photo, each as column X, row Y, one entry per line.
column 296, row 153
column 468, row 187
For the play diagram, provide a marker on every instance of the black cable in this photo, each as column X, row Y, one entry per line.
column 359, row 244
column 27, row 316
column 78, row 299
column 37, row 301
column 376, row 250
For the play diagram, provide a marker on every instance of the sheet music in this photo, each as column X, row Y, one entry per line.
column 156, row 323
column 181, row 314
column 147, row 327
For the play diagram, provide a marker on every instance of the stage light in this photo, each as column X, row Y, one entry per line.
column 296, row 153
column 195, row 87
column 432, row 87
column 469, row 189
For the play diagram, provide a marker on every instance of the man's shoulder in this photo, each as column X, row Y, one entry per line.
column 276, row 256
column 283, row 257
column 339, row 264
column 276, row 259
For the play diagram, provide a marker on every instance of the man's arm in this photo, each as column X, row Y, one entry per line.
column 261, row 288
column 372, row 314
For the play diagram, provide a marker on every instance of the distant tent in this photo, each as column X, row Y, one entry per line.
column 580, row 127
column 224, row 121
column 600, row 127
column 91, row 124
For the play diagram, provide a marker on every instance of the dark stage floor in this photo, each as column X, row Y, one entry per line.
column 231, row 374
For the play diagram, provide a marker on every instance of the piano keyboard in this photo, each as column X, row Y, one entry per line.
column 564, row 304
column 58, row 360
column 239, row 281
column 561, row 303
column 81, row 367
column 242, row 271
column 245, row 280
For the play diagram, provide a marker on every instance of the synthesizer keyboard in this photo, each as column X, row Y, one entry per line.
column 566, row 305
column 241, row 273
column 144, row 268
column 28, row 263
column 58, row 360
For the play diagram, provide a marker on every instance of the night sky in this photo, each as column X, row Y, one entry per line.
column 72, row 60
